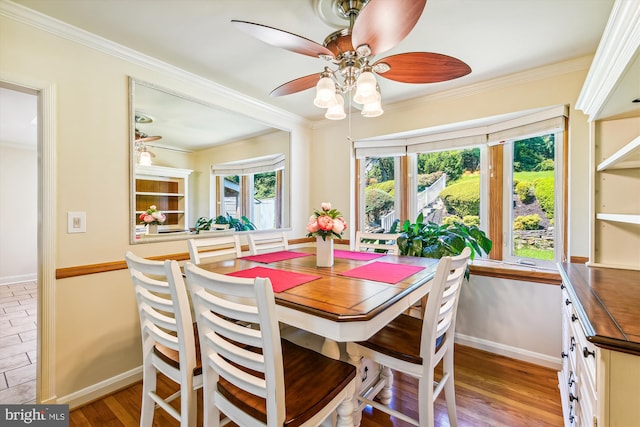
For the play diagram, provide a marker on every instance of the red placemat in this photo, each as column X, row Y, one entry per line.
column 275, row 256
column 387, row 272
column 281, row 280
column 360, row 256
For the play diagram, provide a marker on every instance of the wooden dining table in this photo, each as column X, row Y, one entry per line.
column 338, row 307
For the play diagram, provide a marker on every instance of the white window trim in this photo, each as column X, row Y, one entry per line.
column 558, row 209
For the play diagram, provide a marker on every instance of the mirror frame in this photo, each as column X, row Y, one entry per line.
column 177, row 236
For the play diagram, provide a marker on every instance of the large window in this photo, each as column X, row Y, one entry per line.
column 531, row 195
column 506, row 176
column 254, row 191
column 448, row 186
column 379, row 193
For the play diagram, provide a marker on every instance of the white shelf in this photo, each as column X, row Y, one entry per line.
column 626, row 218
column 625, row 158
column 151, row 193
column 164, row 212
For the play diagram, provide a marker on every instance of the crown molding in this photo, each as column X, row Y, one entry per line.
column 61, row 29
column 619, row 45
column 531, row 75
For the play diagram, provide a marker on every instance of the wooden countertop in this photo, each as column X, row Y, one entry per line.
column 607, row 302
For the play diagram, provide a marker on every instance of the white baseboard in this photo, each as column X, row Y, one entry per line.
column 11, row 280
column 509, row 351
column 101, row 389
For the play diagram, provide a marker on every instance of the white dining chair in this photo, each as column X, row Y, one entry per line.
column 248, row 370
column 372, row 242
column 214, row 248
column 169, row 343
column 260, row 243
column 416, row 346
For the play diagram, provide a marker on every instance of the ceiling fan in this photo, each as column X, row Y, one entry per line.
column 375, row 26
column 144, row 154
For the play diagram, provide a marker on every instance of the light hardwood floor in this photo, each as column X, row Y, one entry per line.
column 18, row 331
column 491, row 391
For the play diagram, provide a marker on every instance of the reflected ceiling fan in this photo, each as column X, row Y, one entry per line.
column 375, row 26
column 144, row 155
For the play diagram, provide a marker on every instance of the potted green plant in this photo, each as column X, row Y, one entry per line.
column 430, row 240
column 202, row 223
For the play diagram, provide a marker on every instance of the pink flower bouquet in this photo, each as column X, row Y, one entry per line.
column 327, row 223
column 152, row 216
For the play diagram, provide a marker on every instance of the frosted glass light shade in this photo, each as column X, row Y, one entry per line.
column 325, row 93
column 336, row 112
column 373, row 109
column 145, row 158
column 365, row 88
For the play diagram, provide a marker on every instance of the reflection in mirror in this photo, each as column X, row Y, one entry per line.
column 202, row 168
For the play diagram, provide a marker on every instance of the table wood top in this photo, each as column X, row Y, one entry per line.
column 335, row 297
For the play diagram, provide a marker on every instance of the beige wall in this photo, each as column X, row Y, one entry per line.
column 18, row 213
column 96, row 327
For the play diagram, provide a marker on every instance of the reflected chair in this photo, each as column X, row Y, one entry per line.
column 268, row 242
column 169, row 338
column 214, row 248
column 252, row 375
column 416, row 346
column 374, row 242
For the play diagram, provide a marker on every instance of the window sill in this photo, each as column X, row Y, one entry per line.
column 501, row 270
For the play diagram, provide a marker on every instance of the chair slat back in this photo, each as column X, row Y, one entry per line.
column 163, row 307
column 442, row 303
column 220, row 247
column 247, row 357
column 371, row 242
column 267, row 242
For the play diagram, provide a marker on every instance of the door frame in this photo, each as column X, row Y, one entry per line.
column 46, row 182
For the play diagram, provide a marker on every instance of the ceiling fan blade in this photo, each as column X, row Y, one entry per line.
column 283, row 39
column 382, row 24
column 297, row 85
column 148, row 138
column 422, row 67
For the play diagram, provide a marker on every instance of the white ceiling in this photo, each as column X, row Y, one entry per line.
column 495, row 37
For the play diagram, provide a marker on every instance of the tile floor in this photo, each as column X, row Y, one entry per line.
column 18, row 330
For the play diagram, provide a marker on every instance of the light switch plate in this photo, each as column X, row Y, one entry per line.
column 76, row 222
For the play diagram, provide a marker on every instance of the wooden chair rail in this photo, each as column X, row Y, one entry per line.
column 486, row 269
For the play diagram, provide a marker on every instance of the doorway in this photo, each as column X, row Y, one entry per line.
column 19, row 237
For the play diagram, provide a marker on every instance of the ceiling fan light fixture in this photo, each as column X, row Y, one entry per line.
column 325, row 93
column 374, row 108
column 144, row 159
column 365, row 88
column 336, row 112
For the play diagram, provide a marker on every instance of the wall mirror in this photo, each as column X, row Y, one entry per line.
column 191, row 159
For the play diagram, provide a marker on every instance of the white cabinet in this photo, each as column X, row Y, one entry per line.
column 600, row 377
column 167, row 189
column 577, row 379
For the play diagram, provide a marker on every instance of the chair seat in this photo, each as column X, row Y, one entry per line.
column 310, row 384
column 400, row 339
column 170, row 356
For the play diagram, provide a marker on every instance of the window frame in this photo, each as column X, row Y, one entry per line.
column 492, row 184
column 559, row 208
